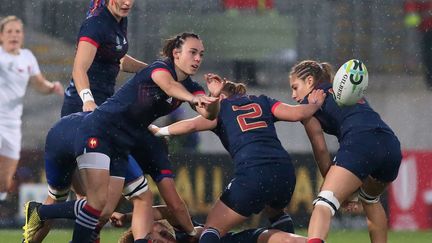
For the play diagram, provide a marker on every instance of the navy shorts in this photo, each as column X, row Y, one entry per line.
column 60, row 163
column 375, row 153
column 253, row 188
column 152, row 156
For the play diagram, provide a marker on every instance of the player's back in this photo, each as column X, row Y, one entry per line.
column 246, row 129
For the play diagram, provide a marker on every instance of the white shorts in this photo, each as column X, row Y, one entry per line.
column 10, row 142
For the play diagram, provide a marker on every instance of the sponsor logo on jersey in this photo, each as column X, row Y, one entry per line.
column 92, row 143
column 119, row 46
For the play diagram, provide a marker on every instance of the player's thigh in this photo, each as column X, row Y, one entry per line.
column 341, row 182
column 223, row 218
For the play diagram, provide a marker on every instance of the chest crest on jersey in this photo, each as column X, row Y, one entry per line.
column 120, row 42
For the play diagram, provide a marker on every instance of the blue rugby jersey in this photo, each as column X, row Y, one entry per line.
column 340, row 121
column 246, row 130
column 124, row 117
column 110, row 38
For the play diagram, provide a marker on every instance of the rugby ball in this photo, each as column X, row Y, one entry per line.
column 350, row 83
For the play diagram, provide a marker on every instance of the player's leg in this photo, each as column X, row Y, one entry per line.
column 338, row 185
column 153, row 159
column 7, row 170
column 376, row 217
column 175, row 204
column 94, row 172
column 219, row 221
column 142, row 216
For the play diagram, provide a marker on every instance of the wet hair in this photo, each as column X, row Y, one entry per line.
column 230, row 88
column 321, row 72
column 8, row 19
column 176, row 42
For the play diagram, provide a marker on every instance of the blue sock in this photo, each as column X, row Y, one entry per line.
column 85, row 224
column 210, row 235
column 65, row 210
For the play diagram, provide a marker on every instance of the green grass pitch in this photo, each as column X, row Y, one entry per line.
column 342, row 236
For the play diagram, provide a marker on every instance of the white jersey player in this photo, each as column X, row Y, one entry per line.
column 18, row 67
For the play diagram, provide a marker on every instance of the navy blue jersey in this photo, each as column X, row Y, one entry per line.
column 340, row 121
column 124, row 118
column 110, row 38
column 246, row 129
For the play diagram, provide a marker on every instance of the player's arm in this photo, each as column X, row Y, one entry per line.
column 215, row 85
column 84, row 57
column 319, row 146
column 286, row 112
column 44, row 86
column 131, row 65
column 187, row 126
column 175, row 89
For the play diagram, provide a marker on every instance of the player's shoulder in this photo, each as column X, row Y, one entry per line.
column 27, row 53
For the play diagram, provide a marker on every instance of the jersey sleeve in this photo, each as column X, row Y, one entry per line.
column 159, row 66
column 273, row 103
column 34, row 66
column 92, row 32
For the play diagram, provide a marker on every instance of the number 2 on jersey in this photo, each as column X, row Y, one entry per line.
column 255, row 112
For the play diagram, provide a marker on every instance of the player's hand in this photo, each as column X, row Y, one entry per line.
column 317, row 97
column 352, row 207
column 57, row 88
column 215, row 84
column 118, row 219
column 89, row 106
column 203, row 100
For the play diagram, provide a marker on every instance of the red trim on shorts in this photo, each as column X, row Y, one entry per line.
column 93, row 211
column 166, row 172
column 161, row 70
column 89, row 40
column 274, row 106
column 199, row 92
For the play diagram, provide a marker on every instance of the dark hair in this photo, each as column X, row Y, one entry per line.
column 230, row 88
column 321, row 72
column 175, row 43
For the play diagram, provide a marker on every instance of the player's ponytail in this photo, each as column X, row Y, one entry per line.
column 321, row 72
column 176, row 42
column 230, row 88
column 328, row 74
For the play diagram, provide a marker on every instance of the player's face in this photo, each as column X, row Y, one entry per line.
column 120, row 8
column 12, row 36
column 300, row 87
column 189, row 57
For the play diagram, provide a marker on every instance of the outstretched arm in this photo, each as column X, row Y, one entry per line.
column 293, row 113
column 44, row 86
column 195, row 124
column 175, row 89
column 319, row 146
